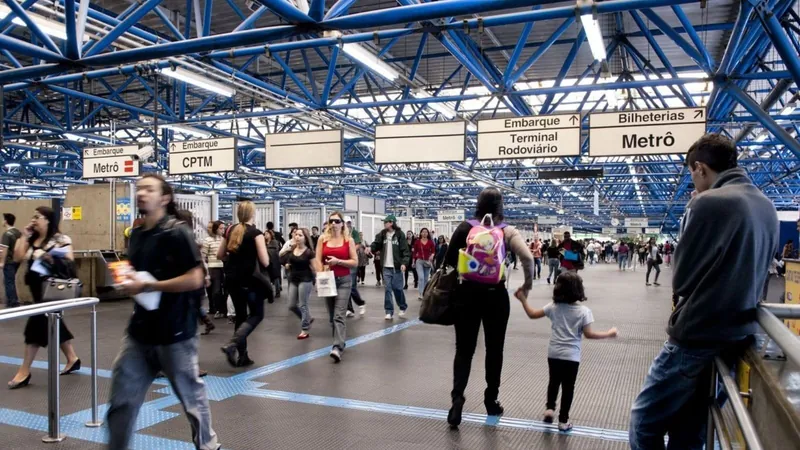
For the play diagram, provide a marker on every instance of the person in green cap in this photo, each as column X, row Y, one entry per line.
column 392, row 244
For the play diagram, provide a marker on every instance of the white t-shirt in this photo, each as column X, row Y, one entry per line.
column 388, row 252
column 568, row 320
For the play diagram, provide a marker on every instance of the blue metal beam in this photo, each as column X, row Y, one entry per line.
column 287, row 11
column 120, row 29
column 72, row 36
column 778, row 37
column 17, row 10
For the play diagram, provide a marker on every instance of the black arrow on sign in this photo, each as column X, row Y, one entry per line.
column 574, row 119
column 698, row 114
column 172, row 148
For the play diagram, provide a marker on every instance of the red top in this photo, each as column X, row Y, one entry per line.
column 342, row 253
column 423, row 251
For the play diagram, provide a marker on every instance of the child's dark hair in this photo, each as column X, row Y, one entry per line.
column 569, row 288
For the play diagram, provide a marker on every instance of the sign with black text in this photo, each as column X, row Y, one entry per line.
column 111, row 167
column 454, row 215
column 636, row 222
column 530, row 137
column 645, row 132
column 103, row 152
column 547, row 220
column 202, row 156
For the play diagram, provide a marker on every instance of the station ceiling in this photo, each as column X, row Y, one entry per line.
column 737, row 59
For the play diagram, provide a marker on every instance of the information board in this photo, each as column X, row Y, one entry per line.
column 420, row 143
column 646, row 132
column 530, row 137
column 304, row 150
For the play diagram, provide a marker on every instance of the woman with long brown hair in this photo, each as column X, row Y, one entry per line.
column 337, row 251
column 40, row 237
column 245, row 249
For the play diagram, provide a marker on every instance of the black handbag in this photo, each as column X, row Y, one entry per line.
column 438, row 303
column 262, row 283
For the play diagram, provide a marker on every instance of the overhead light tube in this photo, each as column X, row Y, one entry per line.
column 198, row 80
column 370, row 61
column 592, row 28
column 442, row 108
column 184, row 129
column 52, row 28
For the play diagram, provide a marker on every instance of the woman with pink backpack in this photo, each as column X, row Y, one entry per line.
column 478, row 249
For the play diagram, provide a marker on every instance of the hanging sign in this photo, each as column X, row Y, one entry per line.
column 103, row 152
column 202, row 156
column 633, row 231
column 530, row 137
column 111, row 167
column 450, row 216
column 547, row 220
column 646, row 132
column 304, row 150
column 610, row 231
column 652, row 231
column 420, row 143
column 636, row 222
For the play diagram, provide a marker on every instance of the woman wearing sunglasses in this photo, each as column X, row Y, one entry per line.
column 337, row 251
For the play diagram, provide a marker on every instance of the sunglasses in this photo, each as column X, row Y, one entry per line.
column 335, row 221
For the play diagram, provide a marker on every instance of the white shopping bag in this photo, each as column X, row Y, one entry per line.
column 231, row 309
column 326, row 284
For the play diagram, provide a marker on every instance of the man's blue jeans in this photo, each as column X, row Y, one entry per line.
column 674, row 400
column 393, row 281
column 10, row 281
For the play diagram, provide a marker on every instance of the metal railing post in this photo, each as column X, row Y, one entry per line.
column 712, row 401
column 95, row 422
column 53, row 392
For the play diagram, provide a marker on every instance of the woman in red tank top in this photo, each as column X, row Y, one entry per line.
column 337, row 252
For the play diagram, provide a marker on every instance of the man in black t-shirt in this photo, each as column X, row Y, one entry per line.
column 164, row 338
column 10, row 267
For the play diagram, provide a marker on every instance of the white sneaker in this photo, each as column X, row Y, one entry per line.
column 388, row 317
column 362, row 310
column 402, row 314
column 564, row 427
column 350, row 314
column 336, row 354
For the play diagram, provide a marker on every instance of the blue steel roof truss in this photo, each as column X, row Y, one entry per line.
column 292, row 75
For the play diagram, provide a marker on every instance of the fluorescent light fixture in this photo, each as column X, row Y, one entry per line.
column 594, row 36
column 788, row 109
column 389, row 180
column 762, row 137
column 370, row 61
column 198, row 81
column 471, row 127
column 184, row 129
column 38, row 163
column 55, row 29
column 442, row 108
column 11, row 165
column 78, row 138
column 415, row 186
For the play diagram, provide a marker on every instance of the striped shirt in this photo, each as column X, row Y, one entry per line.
column 209, row 252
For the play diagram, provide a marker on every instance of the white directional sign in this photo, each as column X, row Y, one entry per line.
column 547, row 220
column 420, row 143
column 634, row 231
column 530, row 137
column 202, row 156
column 652, row 231
column 455, row 215
column 610, row 231
column 304, row 150
column 647, row 132
column 102, row 152
column 636, row 222
column 111, row 167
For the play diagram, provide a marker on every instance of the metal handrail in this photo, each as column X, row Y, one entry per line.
column 44, row 308
column 54, row 310
column 768, row 315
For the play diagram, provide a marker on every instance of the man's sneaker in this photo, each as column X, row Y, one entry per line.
column 656, row 284
column 336, row 354
column 548, row 280
column 548, row 416
column 362, row 310
column 388, row 317
column 402, row 313
column 350, row 314
column 564, row 427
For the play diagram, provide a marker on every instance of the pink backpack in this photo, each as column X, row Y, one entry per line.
column 482, row 260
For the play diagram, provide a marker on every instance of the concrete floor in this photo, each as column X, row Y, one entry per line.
column 390, row 391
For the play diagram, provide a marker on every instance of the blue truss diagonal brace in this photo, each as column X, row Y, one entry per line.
column 778, row 37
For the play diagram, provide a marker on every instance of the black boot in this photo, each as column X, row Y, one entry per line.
column 206, row 320
column 239, row 340
column 244, row 360
column 493, row 408
column 454, row 415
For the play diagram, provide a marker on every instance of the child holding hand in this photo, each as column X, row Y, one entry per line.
column 569, row 321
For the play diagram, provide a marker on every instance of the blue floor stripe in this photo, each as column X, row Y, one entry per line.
column 436, row 414
column 101, row 373
column 301, row 359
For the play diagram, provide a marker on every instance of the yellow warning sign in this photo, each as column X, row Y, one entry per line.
column 77, row 212
column 793, row 291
